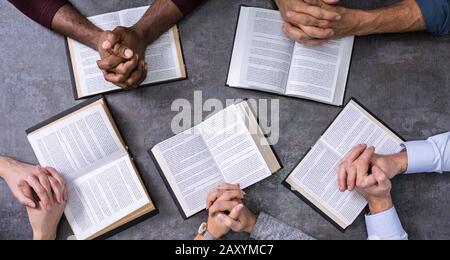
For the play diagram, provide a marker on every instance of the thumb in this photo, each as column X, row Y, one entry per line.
column 25, row 196
column 380, row 176
column 230, row 223
column 331, row 2
column 110, row 40
column 369, row 181
column 320, row 2
column 122, row 51
column 112, row 44
column 236, row 211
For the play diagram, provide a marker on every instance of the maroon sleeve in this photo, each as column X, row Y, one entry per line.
column 187, row 6
column 42, row 11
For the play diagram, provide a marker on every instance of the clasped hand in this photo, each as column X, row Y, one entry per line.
column 122, row 53
column 314, row 22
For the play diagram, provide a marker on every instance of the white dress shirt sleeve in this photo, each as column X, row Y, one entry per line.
column 385, row 226
column 432, row 155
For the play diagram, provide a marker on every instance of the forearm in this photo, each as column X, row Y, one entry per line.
column 3, row 166
column 69, row 22
column 160, row 17
column 6, row 164
column 401, row 17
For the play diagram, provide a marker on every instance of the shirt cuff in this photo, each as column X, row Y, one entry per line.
column 421, row 157
column 187, row 6
column 385, row 226
column 436, row 15
column 49, row 12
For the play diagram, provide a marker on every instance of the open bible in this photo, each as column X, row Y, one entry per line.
column 106, row 193
column 265, row 59
column 228, row 147
column 164, row 57
column 315, row 179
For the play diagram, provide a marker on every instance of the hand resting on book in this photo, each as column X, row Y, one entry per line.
column 313, row 22
column 370, row 175
column 227, row 213
column 122, row 57
column 356, row 165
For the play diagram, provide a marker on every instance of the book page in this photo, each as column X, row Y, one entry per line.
column 78, row 143
column 357, row 126
column 317, row 174
column 315, row 70
column 247, row 114
column 163, row 57
column 104, row 197
column 189, row 168
column 234, row 149
column 88, row 77
column 262, row 53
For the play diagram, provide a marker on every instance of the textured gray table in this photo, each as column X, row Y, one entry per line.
column 404, row 79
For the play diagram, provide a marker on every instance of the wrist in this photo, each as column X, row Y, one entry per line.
column 145, row 34
column 365, row 21
column 2, row 168
column 6, row 166
column 401, row 160
column 251, row 226
column 378, row 205
column 38, row 235
column 94, row 39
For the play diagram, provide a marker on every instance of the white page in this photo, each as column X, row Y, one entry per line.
column 315, row 69
column 217, row 151
column 318, row 172
column 189, row 168
column 161, row 56
column 262, row 52
column 234, row 149
column 103, row 197
column 78, row 144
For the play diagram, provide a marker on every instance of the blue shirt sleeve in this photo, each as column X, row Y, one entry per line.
column 432, row 155
column 385, row 226
column 437, row 15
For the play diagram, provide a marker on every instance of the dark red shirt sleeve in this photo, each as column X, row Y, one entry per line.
column 41, row 11
column 187, row 6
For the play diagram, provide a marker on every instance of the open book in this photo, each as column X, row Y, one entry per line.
column 106, row 193
column 228, row 147
column 265, row 59
column 316, row 177
column 164, row 57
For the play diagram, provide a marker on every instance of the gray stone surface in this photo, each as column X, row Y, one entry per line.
column 403, row 79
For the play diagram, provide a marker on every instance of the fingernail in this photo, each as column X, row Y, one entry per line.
column 289, row 14
column 240, row 206
column 106, row 45
column 221, row 216
column 49, row 207
column 128, row 53
column 338, row 18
